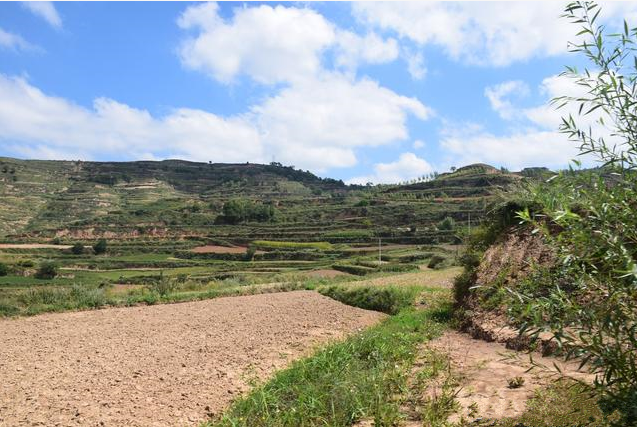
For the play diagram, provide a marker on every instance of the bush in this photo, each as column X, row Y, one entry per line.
column 436, row 261
column 386, row 299
column 77, row 249
column 47, row 270
column 100, row 247
column 4, row 270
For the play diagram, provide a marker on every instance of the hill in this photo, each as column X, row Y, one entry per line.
column 175, row 198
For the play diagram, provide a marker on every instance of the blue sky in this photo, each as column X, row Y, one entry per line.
column 379, row 92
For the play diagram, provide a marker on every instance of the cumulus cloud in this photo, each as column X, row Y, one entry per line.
column 353, row 49
column 520, row 149
column 483, row 33
column 35, row 124
column 534, row 138
column 418, row 144
column 416, row 65
column 15, row 42
column 499, row 96
column 337, row 115
column 45, row 10
column 273, row 44
column 408, row 166
column 317, row 126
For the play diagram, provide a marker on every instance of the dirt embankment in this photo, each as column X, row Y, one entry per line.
column 158, row 365
column 507, row 261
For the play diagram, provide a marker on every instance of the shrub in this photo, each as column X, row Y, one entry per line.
column 593, row 221
column 100, row 247
column 436, row 261
column 4, row 270
column 77, row 249
column 386, row 299
column 47, row 270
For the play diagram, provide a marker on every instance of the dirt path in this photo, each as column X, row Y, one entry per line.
column 484, row 370
column 157, row 365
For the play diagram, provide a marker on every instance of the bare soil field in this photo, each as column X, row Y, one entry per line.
column 158, row 365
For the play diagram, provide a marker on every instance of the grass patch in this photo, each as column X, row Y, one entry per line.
column 273, row 244
column 386, row 299
column 361, row 377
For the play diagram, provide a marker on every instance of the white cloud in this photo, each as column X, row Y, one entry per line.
column 534, row 138
column 353, row 49
column 14, row 42
column 499, row 94
column 408, row 166
column 35, row 124
column 484, row 33
column 270, row 44
column 273, row 44
column 315, row 125
column 418, row 144
column 45, row 10
column 336, row 115
column 416, row 65
column 524, row 148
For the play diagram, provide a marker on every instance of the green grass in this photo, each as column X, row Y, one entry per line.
column 271, row 244
column 386, row 299
column 362, row 377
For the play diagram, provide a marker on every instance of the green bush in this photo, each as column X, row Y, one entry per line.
column 100, row 247
column 436, row 261
column 590, row 304
column 358, row 270
column 386, row 299
column 4, row 270
column 77, row 249
column 47, row 270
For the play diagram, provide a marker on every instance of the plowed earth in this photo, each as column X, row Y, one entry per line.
column 158, row 365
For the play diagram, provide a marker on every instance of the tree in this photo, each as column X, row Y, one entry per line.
column 590, row 305
column 4, row 270
column 100, row 246
column 47, row 270
column 77, row 249
column 447, row 224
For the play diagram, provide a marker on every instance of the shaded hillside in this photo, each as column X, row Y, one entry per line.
column 180, row 198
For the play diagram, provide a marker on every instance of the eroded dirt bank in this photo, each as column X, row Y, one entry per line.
column 159, row 365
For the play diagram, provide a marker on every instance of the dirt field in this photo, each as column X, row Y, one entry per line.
column 157, row 365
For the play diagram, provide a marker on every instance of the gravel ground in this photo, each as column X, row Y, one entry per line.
column 158, row 365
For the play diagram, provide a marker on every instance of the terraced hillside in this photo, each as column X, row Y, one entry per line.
column 173, row 198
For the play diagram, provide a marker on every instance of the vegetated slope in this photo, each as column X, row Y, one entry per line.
column 84, row 200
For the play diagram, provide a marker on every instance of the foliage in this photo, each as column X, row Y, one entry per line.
column 361, row 377
column 386, row 299
column 77, row 249
column 4, row 270
column 594, row 315
column 236, row 211
column 100, row 246
column 447, row 223
column 47, row 270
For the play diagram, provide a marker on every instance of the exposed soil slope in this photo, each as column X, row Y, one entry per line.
column 157, row 365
